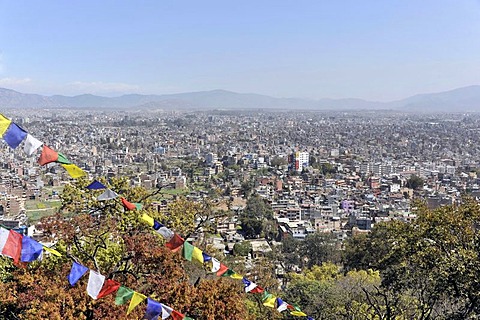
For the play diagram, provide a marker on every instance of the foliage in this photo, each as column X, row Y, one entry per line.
column 242, row 248
column 116, row 243
column 254, row 216
column 414, row 182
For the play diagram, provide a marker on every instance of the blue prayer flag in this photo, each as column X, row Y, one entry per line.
column 31, row 249
column 157, row 225
column 95, row 185
column 154, row 309
column 76, row 273
column 14, row 135
column 206, row 257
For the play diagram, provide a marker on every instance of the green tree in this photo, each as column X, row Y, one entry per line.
column 254, row 217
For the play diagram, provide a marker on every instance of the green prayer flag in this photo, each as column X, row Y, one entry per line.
column 62, row 159
column 187, row 251
column 187, row 318
column 266, row 295
column 138, row 205
column 123, row 295
column 228, row 273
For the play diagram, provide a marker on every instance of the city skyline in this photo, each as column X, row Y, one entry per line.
column 373, row 51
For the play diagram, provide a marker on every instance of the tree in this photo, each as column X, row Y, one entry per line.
column 414, row 182
column 318, row 248
column 106, row 238
column 254, row 216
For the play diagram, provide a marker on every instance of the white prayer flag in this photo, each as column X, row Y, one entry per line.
column 31, row 144
column 95, row 283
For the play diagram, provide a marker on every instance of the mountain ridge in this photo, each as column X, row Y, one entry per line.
column 465, row 99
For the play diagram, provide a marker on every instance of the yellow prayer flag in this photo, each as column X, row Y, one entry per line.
column 270, row 302
column 52, row 251
column 74, row 171
column 149, row 220
column 197, row 255
column 298, row 313
column 236, row 276
column 4, row 124
column 136, row 299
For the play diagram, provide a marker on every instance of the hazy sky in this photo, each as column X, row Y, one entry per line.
column 372, row 49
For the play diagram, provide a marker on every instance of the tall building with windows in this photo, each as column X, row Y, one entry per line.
column 299, row 160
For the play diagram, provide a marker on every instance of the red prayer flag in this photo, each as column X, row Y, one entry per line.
column 175, row 243
column 257, row 289
column 290, row 307
column 177, row 315
column 47, row 156
column 13, row 246
column 222, row 270
column 128, row 205
column 109, row 286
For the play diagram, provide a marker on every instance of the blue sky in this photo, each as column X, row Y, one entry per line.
column 370, row 49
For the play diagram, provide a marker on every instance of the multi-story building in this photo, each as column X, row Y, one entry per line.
column 299, row 161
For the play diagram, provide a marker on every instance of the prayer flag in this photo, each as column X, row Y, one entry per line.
column 154, row 309
column 74, row 171
column 31, row 144
column 95, row 185
column 31, row 249
column 257, row 289
column 47, row 156
column 123, row 295
column 110, row 286
column 138, row 206
column 216, row 265
column 187, row 251
column 227, row 273
column 157, row 225
column 249, row 286
column 222, row 269
column 14, row 135
column 95, row 283
column 136, row 299
column 236, row 276
column 4, row 124
column 206, row 257
column 13, row 246
column 298, row 314
column 166, row 233
column 52, row 251
column 107, row 195
column 281, row 305
column 177, row 315
column 310, row 318
column 63, row 159
column 127, row 205
column 166, row 311
column 197, row 255
column 175, row 243
column 76, row 273
column 149, row 220
column 270, row 302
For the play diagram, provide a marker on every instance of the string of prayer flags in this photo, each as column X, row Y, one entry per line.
column 95, row 283
column 96, row 185
column 48, row 155
column 74, row 171
column 128, row 205
column 154, row 309
column 11, row 244
column 135, row 301
column 31, row 249
column 14, row 135
column 124, row 294
column 76, row 273
column 110, row 286
column 4, row 124
column 31, row 144
column 175, row 244
column 107, row 195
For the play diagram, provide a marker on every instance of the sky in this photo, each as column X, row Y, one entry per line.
column 370, row 49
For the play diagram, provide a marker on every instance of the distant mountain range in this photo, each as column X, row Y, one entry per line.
column 466, row 99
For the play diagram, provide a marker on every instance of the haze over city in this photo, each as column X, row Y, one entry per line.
column 379, row 51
